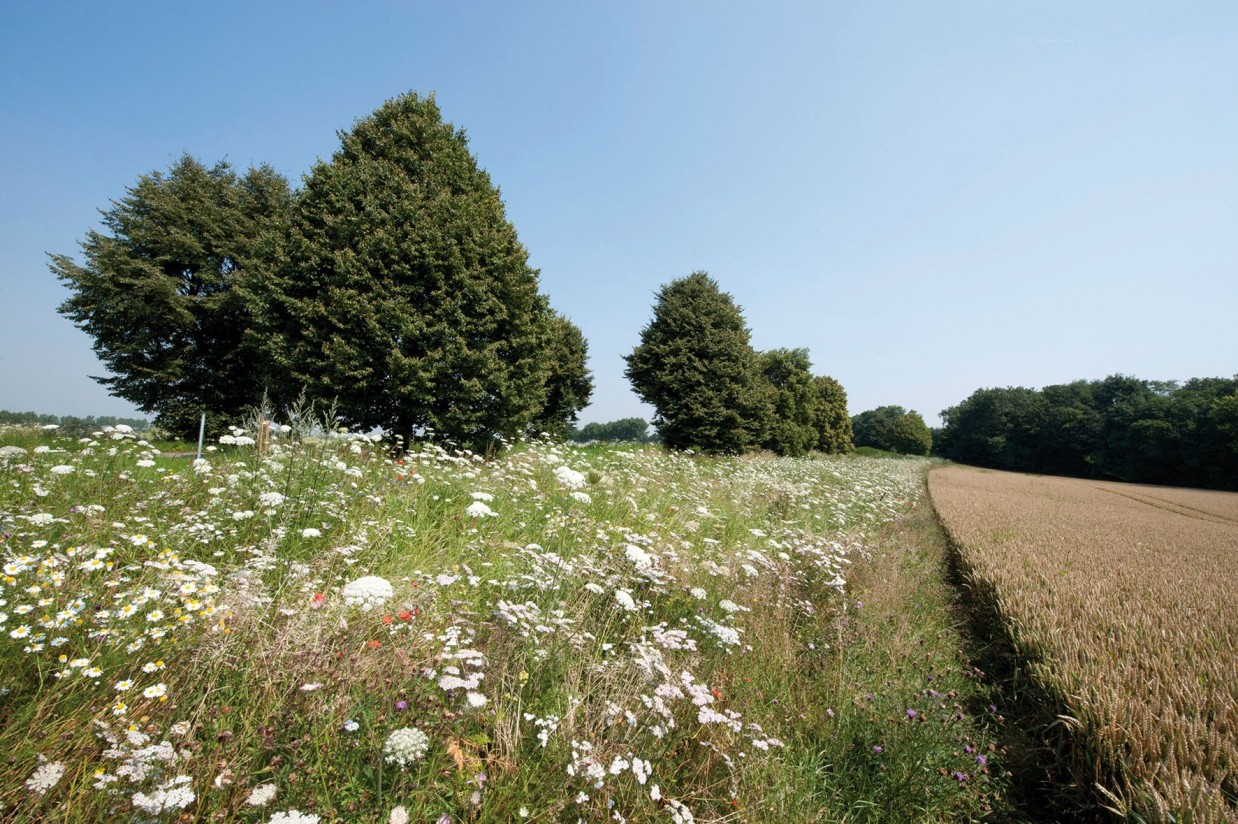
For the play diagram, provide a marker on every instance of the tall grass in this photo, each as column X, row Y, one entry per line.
column 591, row 633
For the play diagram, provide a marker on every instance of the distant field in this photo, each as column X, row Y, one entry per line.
column 1123, row 600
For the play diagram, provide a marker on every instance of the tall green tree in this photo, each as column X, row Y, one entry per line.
column 163, row 290
column 696, row 366
column 402, row 291
column 908, row 434
column 568, row 380
column 792, row 399
column 893, row 429
column 829, row 416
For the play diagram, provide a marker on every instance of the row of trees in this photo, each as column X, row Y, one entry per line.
column 893, row 429
column 1120, row 428
column 69, row 424
column 633, row 430
column 714, row 393
column 391, row 284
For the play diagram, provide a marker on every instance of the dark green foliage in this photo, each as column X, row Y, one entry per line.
column 909, row 435
column 893, row 429
column 624, row 429
column 792, row 400
column 1120, row 428
column 696, row 367
column 1002, row 430
column 163, row 292
column 402, row 291
column 568, row 381
column 830, row 419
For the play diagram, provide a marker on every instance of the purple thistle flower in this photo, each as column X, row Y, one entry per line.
column 877, row 749
column 401, row 705
column 911, row 713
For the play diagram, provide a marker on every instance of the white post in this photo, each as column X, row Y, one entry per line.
column 201, row 434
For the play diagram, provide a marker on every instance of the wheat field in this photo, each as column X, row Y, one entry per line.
column 1123, row 602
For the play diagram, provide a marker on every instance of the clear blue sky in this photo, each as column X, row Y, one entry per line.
column 930, row 197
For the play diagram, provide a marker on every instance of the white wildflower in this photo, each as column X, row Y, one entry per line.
column 625, row 600
column 310, row 532
column 569, row 477
column 478, row 509
column 405, row 746
column 270, row 499
column 261, row 795
column 294, row 816
column 369, row 592
column 45, row 777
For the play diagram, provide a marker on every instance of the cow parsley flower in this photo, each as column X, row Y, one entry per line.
column 405, row 746
column 625, row 600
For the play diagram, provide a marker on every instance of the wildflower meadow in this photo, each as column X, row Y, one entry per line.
column 313, row 627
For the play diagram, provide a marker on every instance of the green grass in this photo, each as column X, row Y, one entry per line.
column 749, row 678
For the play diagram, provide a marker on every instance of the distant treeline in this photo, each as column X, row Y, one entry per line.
column 1120, row 428
column 635, row 430
column 69, row 424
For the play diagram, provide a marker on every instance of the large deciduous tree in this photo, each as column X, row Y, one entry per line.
column 830, row 419
column 568, row 380
column 788, row 375
column 893, row 429
column 696, row 366
column 403, row 292
column 163, row 289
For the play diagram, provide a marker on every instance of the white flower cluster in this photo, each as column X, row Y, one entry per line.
column 638, row 557
column 369, row 593
column 405, row 746
column 294, row 817
column 478, row 509
column 569, row 477
column 270, row 499
column 171, row 795
column 45, row 777
column 261, row 795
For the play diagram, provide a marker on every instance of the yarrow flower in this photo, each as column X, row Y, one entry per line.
column 45, row 777
column 310, row 532
column 405, row 746
column 294, row 817
column 261, row 795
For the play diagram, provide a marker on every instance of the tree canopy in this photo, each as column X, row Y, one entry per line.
column 696, row 367
column 625, row 429
column 402, row 292
column 568, row 382
column 163, row 289
column 829, row 415
column 1120, row 428
column 792, row 401
column 893, row 429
